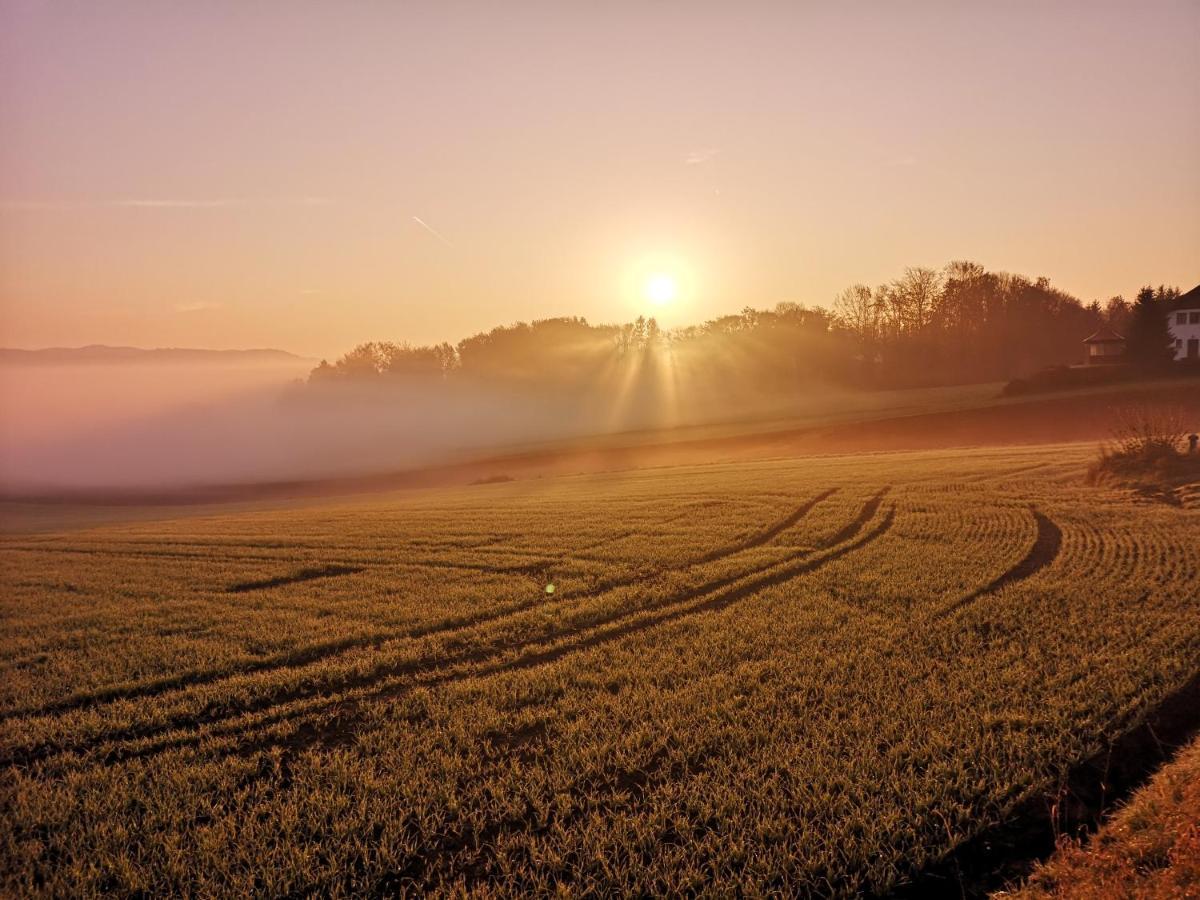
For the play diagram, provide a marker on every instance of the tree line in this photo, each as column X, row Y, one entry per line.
column 956, row 325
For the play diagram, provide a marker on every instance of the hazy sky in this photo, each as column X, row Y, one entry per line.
column 308, row 175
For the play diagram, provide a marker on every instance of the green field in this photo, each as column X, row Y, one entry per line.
column 806, row 676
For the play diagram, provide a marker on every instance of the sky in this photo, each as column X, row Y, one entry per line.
column 311, row 175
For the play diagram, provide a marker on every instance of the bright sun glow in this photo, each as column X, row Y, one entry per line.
column 660, row 289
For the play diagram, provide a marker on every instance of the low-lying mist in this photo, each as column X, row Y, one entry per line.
column 173, row 418
column 88, row 427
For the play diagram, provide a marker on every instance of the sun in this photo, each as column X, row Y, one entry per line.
column 660, row 289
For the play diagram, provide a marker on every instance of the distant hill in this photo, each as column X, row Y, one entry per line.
column 101, row 354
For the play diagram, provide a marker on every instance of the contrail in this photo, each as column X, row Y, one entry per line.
column 437, row 234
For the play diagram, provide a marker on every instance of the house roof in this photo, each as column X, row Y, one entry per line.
column 1104, row 336
column 1190, row 300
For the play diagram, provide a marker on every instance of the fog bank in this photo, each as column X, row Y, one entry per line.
column 149, row 426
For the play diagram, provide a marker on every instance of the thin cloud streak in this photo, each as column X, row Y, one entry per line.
column 437, row 234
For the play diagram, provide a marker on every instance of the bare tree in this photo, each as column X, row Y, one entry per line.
column 859, row 313
column 913, row 298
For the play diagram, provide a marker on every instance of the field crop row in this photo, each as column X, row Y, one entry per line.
column 813, row 677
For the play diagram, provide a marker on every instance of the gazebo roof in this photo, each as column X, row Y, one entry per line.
column 1104, row 336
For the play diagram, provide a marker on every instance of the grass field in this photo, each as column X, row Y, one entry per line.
column 808, row 676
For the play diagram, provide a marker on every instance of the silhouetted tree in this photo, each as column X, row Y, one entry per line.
column 861, row 315
column 1117, row 313
column 1148, row 343
column 961, row 324
column 376, row 360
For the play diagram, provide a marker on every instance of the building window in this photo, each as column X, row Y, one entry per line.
column 1194, row 318
column 1180, row 318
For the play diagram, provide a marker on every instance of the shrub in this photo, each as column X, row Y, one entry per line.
column 1148, row 431
column 1146, row 443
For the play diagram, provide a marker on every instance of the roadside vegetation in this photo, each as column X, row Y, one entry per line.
column 1150, row 849
column 808, row 676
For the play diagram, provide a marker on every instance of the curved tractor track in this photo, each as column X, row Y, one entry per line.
column 312, row 574
column 536, row 650
column 321, row 651
column 1046, row 546
column 349, row 714
column 469, row 654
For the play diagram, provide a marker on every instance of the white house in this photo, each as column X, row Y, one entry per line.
column 1184, row 322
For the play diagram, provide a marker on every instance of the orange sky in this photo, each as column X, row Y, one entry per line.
column 227, row 174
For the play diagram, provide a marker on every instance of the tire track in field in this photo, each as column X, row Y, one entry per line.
column 978, row 866
column 110, row 553
column 978, row 857
column 310, row 574
column 769, row 534
column 615, row 626
column 218, row 711
column 759, row 539
column 543, row 650
column 362, row 563
column 126, row 547
column 320, row 651
column 644, row 617
column 1046, row 547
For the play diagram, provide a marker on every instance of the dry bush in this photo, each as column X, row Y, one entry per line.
column 1146, row 441
column 1148, row 431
